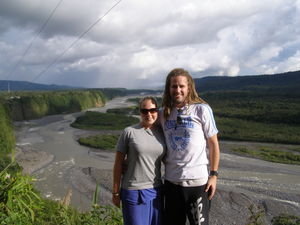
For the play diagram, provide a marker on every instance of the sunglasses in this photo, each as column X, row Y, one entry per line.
column 179, row 120
column 146, row 111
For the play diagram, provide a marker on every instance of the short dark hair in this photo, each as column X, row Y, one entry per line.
column 152, row 99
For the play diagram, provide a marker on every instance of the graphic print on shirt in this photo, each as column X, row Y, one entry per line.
column 196, row 210
column 178, row 136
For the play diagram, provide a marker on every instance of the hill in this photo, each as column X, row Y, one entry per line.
column 263, row 108
column 284, row 81
column 29, row 86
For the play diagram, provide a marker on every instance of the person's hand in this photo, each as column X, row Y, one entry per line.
column 211, row 186
column 116, row 200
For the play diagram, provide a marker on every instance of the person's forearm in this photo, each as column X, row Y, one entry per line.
column 214, row 153
column 117, row 172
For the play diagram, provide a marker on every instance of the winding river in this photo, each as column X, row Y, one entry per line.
column 78, row 168
column 55, row 136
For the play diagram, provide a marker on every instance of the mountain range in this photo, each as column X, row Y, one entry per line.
column 9, row 85
column 282, row 81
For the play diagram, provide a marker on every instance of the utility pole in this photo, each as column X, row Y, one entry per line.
column 8, row 87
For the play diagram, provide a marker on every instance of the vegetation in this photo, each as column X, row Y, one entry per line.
column 7, row 138
column 247, row 115
column 106, row 142
column 255, row 106
column 125, row 111
column 13, row 85
column 285, row 219
column 32, row 105
column 256, row 215
column 264, row 115
column 287, row 82
column 242, row 130
column 256, row 116
column 270, row 155
column 20, row 204
column 103, row 121
column 133, row 110
column 110, row 93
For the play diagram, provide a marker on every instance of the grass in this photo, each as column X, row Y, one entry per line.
column 230, row 129
column 104, row 121
column 20, row 203
column 285, row 219
column 106, row 142
column 243, row 130
column 296, row 149
column 268, row 154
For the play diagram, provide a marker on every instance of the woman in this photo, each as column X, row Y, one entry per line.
column 143, row 147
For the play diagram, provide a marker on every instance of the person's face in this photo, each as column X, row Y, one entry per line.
column 149, row 113
column 179, row 90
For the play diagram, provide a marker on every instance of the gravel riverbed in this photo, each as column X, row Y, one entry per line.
column 48, row 150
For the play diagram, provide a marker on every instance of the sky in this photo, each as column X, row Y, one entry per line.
column 135, row 43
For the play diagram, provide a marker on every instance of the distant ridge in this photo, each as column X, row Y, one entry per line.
column 6, row 85
column 289, row 80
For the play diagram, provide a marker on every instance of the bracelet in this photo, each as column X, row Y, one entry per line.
column 115, row 194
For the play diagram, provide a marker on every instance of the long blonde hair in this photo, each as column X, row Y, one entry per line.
column 192, row 96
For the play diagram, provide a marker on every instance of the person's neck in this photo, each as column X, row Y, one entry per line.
column 147, row 126
column 180, row 105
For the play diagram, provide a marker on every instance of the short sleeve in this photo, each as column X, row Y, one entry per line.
column 123, row 142
column 206, row 116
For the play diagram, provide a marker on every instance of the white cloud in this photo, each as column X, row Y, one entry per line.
column 138, row 42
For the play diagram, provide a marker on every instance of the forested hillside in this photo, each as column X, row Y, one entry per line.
column 7, row 139
column 284, row 82
column 32, row 105
column 20, row 203
column 255, row 108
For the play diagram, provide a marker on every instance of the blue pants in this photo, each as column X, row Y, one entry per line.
column 142, row 207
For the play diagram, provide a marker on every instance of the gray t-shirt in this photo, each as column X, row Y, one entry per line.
column 144, row 149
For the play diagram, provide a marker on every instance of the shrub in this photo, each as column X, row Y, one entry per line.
column 285, row 219
column 106, row 142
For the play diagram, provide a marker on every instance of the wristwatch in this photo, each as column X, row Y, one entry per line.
column 213, row 173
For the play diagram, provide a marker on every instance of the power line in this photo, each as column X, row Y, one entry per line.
column 74, row 42
column 33, row 39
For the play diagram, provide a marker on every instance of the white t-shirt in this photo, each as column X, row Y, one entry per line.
column 186, row 131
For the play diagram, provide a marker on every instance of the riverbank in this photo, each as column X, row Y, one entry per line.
column 243, row 182
column 32, row 160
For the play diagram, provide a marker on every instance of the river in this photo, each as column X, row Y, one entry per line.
column 74, row 167
column 55, row 136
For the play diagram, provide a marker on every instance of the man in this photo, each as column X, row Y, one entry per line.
column 189, row 129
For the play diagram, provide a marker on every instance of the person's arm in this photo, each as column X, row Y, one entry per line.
column 117, row 174
column 214, row 158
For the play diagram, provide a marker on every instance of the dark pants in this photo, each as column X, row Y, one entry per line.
column 182, row 202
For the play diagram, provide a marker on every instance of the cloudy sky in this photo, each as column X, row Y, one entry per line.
column 135, row 43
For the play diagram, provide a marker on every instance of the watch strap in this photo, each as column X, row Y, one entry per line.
column 213, row 173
